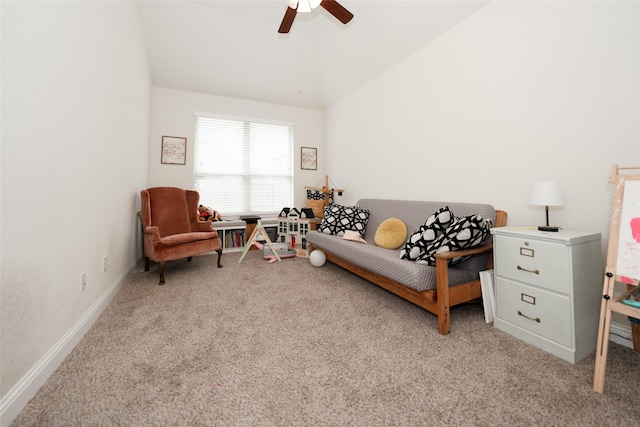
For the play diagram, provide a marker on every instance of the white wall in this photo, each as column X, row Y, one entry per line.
column 76, row 94
column 518, row 92
column 173, row 115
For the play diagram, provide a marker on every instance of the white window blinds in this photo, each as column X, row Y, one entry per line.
column 243, row 166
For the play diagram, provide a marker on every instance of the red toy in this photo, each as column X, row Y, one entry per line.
column 206, row 213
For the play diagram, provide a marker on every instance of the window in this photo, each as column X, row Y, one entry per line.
column 243, row 166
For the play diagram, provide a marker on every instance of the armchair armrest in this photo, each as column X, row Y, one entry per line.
column 202, row 226
column 154, row 231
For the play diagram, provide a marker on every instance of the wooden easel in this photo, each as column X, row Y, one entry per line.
column 626, row 204
column 254, row 236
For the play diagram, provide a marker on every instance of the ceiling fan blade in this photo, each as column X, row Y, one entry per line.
column 337, row 10
column 287, row 21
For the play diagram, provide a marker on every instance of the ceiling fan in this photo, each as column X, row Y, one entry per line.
column 295, row 6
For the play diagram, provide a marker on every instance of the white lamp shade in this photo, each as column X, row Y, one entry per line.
column 546, row 193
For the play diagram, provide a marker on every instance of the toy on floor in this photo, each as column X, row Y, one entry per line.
column 284, row 251
column 257, row 231
column 317, row 258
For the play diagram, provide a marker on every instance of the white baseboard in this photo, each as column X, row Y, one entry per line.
column 20, row 394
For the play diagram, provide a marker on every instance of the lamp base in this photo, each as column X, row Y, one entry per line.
column 547, row 228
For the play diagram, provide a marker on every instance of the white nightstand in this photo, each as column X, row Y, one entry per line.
column 548, row 288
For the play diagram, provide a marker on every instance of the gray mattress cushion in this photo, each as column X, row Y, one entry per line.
column 387, row 262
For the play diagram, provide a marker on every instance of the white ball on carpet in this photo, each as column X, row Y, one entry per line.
column 317, row 258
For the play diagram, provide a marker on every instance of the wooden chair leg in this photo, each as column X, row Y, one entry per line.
column 635, row 334
column 161, row 271
column 188, row 259
column 442, row 292
column 444, row 321
column 219, row 256
column 146, row 264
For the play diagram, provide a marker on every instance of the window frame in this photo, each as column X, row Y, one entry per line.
column 250, row 180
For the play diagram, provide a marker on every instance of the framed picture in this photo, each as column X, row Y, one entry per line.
column 309, row 158
column 174, row 150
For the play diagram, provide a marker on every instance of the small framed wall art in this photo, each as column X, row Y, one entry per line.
column 308, row 158
column 174, row 150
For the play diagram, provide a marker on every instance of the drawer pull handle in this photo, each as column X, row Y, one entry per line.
column 529, row 271
column 537, row 319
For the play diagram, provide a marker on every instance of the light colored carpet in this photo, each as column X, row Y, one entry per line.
column 259, row 344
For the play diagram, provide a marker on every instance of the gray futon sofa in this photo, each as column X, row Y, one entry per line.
column 434, row 288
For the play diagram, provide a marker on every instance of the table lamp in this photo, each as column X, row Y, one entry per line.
column 546, row 193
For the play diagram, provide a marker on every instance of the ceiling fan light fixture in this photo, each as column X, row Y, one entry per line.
column 304, row 6
column 295, row 6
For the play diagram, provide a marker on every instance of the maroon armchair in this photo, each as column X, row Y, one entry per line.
column 171, row 229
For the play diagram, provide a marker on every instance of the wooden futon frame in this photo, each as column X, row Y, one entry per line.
column 440, row 300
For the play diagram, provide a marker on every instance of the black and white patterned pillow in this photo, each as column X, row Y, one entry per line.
column 463, row 233
column 330, row 219
column 353, row 218
column 337, row 219
column 467, row 232
column 421, row 240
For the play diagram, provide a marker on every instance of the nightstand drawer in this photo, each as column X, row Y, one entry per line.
column 534, row 262
column 536, row 310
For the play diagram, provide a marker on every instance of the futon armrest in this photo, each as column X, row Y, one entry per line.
column 465, row 252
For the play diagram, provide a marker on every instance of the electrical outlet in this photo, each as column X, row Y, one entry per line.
column 83, row 281
column 104, row 264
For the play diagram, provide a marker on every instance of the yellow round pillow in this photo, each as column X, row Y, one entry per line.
column 391, row 234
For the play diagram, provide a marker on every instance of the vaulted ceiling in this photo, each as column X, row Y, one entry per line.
column 232, row 48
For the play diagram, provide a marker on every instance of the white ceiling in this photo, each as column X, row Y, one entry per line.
column 232, row 48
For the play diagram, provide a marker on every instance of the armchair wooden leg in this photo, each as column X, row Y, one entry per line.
column 161, row 271
column 146, row 264
column 188, row 259
column 219, row 256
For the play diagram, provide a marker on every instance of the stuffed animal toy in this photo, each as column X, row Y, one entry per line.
column 206, row 213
